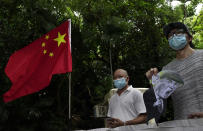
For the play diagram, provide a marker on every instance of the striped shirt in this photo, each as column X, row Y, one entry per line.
column 188, row 98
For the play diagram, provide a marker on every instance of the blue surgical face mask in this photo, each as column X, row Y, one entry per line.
column 120, row 83
column 177, row 42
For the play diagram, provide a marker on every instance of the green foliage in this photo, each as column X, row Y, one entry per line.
column 197, row 29
column 131, row 30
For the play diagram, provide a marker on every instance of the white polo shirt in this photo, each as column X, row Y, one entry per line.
column 127, row 106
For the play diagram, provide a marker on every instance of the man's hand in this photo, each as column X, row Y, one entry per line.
column 149, row 73
column 113, row 122
column 196, row 115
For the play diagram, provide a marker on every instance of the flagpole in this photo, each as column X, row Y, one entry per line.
column 69, row 83
column 69, row 101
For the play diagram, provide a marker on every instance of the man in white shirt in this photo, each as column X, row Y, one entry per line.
column 126, row 106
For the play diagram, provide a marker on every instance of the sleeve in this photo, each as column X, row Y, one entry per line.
column 109, row 114
column 139, row 104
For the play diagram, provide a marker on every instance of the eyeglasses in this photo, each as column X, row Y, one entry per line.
column 176, row 32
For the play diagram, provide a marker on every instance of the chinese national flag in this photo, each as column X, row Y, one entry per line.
column 30, row 69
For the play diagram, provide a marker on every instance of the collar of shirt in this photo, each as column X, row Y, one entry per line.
column 127, row 90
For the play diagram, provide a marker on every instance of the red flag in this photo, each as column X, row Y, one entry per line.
column 30, row 69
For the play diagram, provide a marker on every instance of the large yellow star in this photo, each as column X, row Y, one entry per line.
column 60, row 39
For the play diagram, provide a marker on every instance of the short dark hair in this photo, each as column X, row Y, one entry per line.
column 176, row 25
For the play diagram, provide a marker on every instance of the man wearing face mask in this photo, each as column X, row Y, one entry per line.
column 126, row 106
column 188, row 99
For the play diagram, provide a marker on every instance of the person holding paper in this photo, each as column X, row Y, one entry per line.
column 188, row 99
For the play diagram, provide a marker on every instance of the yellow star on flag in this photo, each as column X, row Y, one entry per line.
column 60, row 39
column 47, row 37
column 43, row 44
column 44, row 51
column 51, row 54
